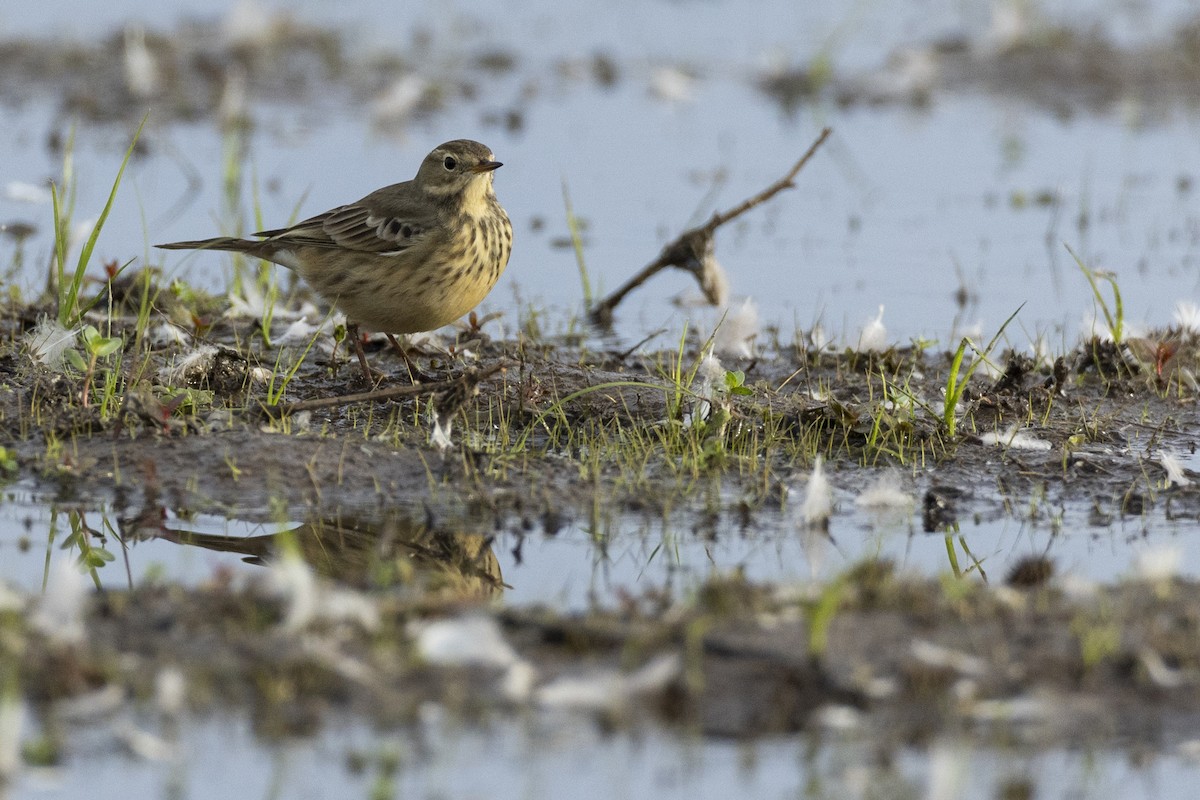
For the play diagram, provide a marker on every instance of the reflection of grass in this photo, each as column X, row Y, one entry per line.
column 92, row 556
column 976, row 564
column 822, row 612
column 1099, row 635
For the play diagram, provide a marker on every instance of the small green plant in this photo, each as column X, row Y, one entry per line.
column 1114, row 317
column 892, row 415
column 97, row 347
column 278, row 385
column 735, row 383
column 956, row 381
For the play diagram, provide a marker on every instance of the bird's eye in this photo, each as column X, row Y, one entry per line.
column 449, row 162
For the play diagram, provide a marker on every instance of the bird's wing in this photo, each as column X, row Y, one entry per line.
column 387, row 221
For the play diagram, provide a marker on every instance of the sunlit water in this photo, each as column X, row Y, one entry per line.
column 591, row 563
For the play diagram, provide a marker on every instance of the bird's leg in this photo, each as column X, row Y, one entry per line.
column 353, row 334
column 414, row 372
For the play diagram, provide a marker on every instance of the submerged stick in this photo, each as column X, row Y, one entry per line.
column 693, row 249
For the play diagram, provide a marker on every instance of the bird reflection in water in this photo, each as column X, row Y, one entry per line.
column 388, row 550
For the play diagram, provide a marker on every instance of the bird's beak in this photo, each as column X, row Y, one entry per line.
column 486, row 166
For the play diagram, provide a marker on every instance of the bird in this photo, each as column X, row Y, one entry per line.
column 409, row 257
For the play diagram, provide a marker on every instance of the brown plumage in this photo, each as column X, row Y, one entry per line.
column 410, row 257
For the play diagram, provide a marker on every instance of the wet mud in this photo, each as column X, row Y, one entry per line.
column 413, row 526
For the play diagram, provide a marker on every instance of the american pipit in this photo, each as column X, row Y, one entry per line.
column 410, row 257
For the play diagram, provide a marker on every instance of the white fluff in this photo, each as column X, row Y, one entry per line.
column 873, row 338
column 439, row 434
column 935, row 655
column 10, row 600
column 299, row 333
column 714, row 281
column 1160, row 673
column 170, row 691
column 1187, row 316
column 711, row 371
column 818, row 338
column 737, row 331
column 1174, row 467
column 399, row 100
column 1011, row 24
column 910, row 72
column 885, row 492
column 609, row 690
column 234, row 106
column 518, row 682
column 49, row 342
column 249, row 23
column 818, row 496
column 1097, row 327
column 309, row 600
column 250, row 304
column 167, row 334
column 294, row 581
column 1015, row 439
column 1158, row 564
column 712, row 375
column 197, row 362
column 12, row 719
column 464, row 641
column 143, row 744
column 141, row 68
column 671, row 84
column 24, row 192
column 58, row 614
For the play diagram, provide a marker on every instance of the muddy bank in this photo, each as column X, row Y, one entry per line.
column 897, row 660
column 1077, row 443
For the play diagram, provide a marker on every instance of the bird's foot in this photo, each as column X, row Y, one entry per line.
column 414, row 372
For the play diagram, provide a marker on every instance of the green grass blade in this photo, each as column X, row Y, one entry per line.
column 577, row 245
column 60, row 252
column 67, row 311
column 1115, row 319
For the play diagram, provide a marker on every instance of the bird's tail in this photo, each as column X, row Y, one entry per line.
column 260, row 249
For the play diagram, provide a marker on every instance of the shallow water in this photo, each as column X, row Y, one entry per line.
column 595, row 563
column 560, row 757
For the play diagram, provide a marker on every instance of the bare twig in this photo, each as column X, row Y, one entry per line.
column 693, row 249
column 461, row 386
